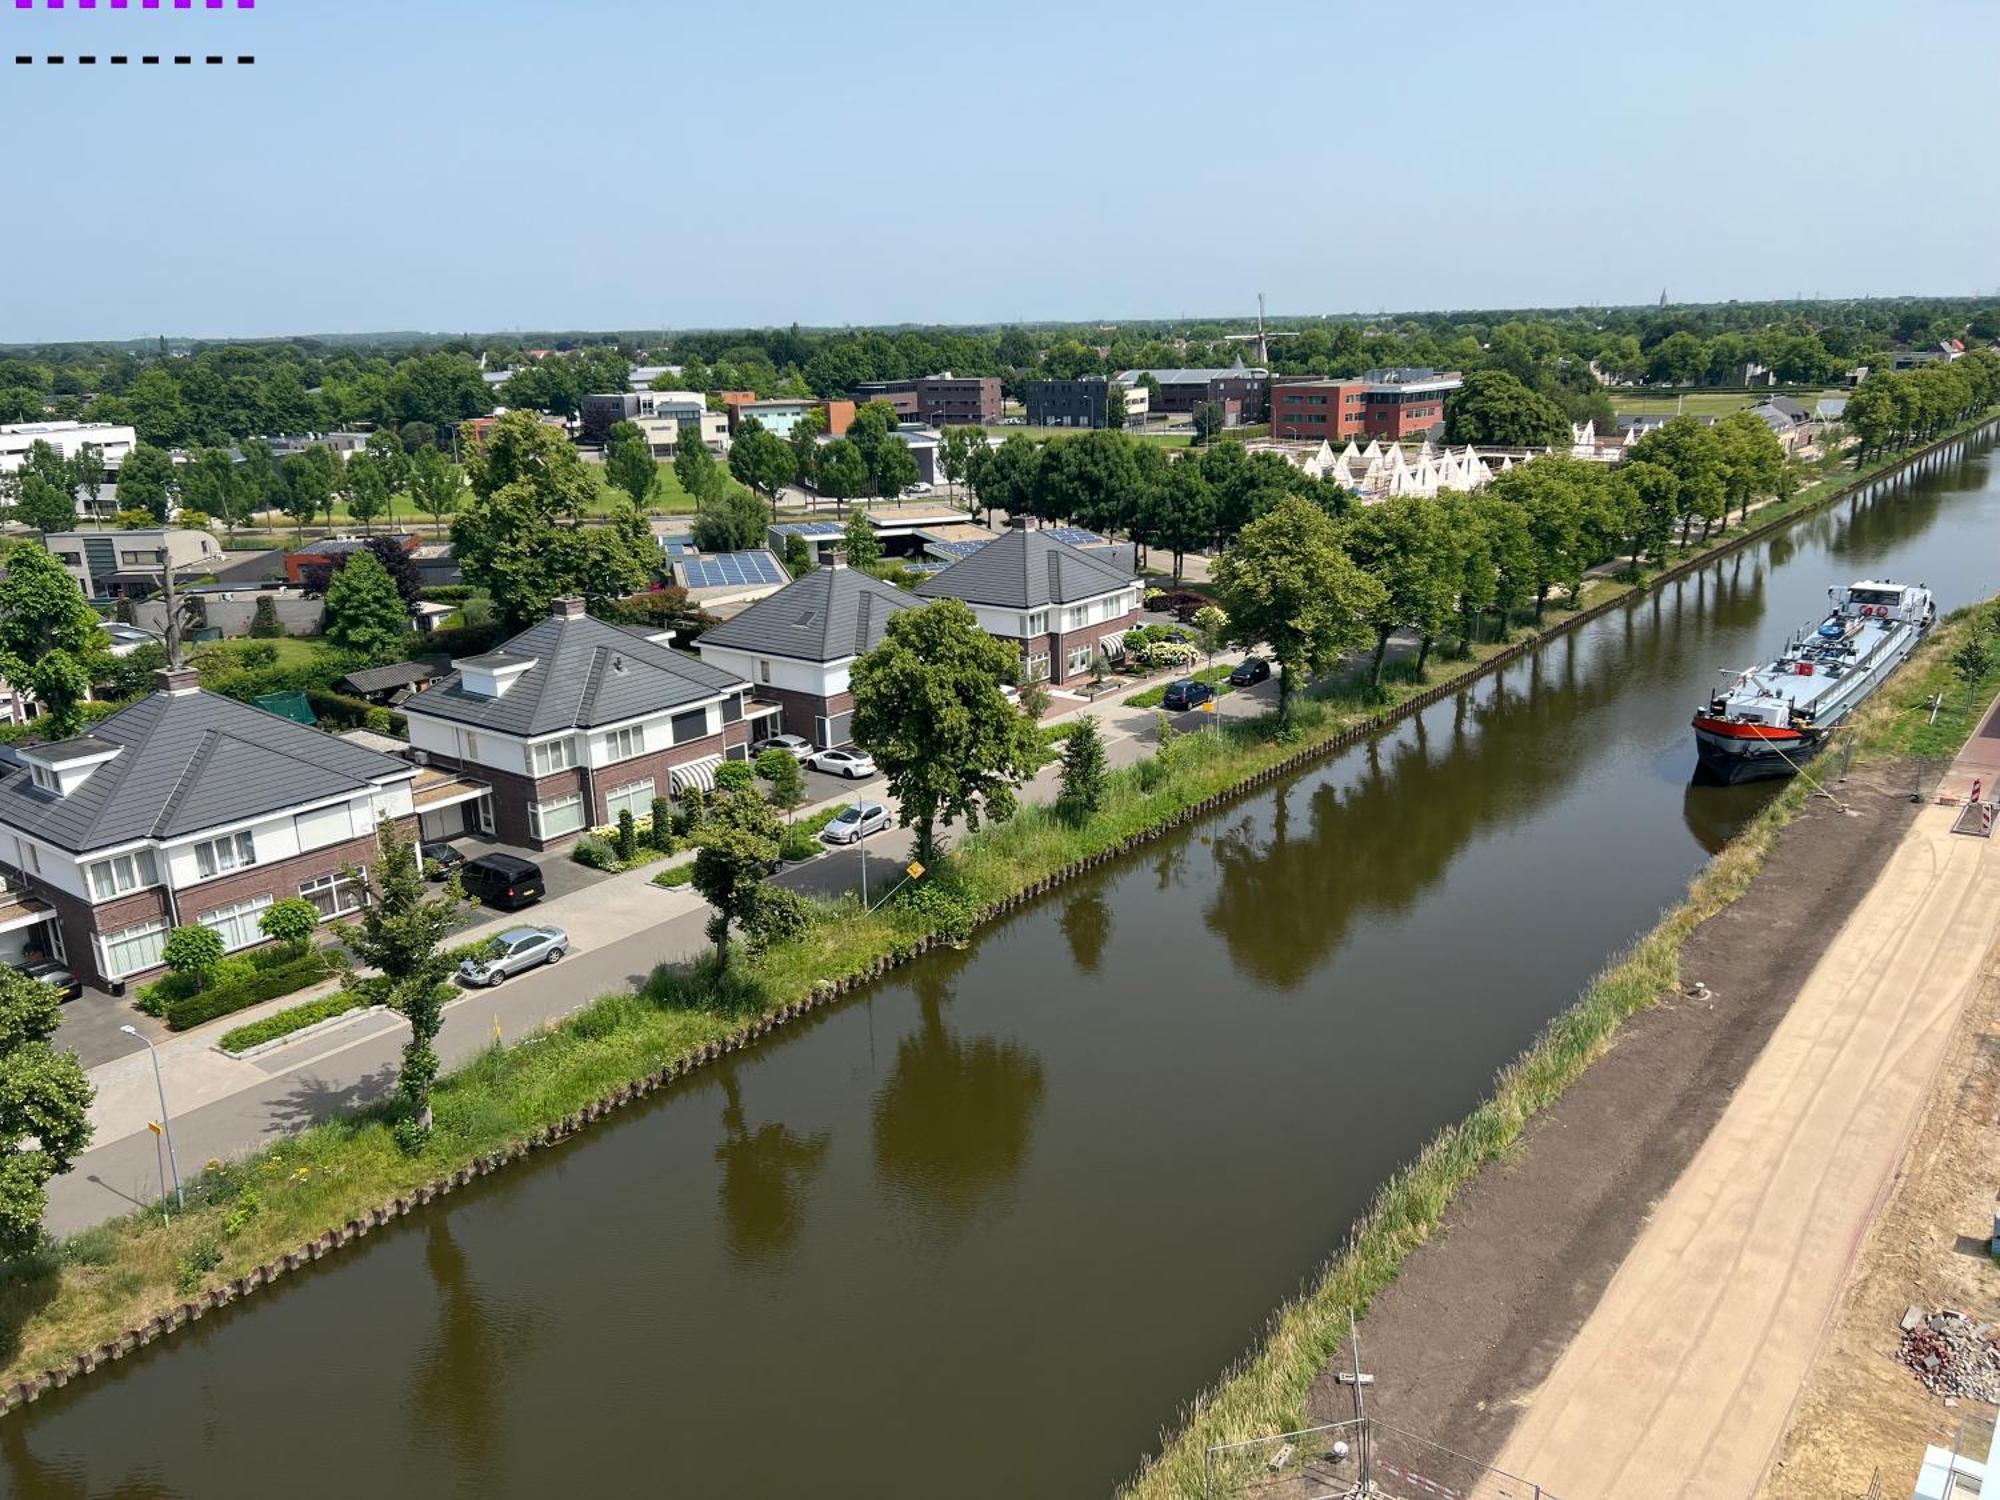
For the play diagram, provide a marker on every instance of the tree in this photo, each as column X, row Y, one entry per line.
column 957, row 452
column 1402, row 544
column 927, row 704
column 365, row 613
column 1286, row 583
column 401, row 934
column 44, row 1097
column 629, row 462
column 44, row 506
column 732, row 521
column 519, row 535
column 1651, row 494
column 788, row 782
column 873, row 422
column 761, row 460
column 291, row 921
column 146, row 482
column 436, row 484
column 365, row 488
column 1211, row 627
column 1972, row 660
column 194, row 953
column 895, row 468
column 1693, row 455
column 393, row 460
column 1753, row 461
column 864, row 548
column 798, row 557
column 843, row 473
column 1003, row 478
column 1209, row 420
column 50, row 641
column 734, row 847
column 1495, row 407
column 1083, row 772
column 695, row 467
column 804, row 443
column 210, row 482
column 310, row 479
column 1114, row 405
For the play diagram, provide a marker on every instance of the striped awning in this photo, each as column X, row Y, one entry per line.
column 1114, row 645
column 696, row 773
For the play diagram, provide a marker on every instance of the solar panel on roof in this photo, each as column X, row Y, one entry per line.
column 1075, row 536
column 811, row 528
column 730, row 569
column 956, row 550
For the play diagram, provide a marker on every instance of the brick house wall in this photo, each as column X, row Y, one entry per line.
column 802, row 711
column 514, row 792
column 80, row 921
column 1056, row 643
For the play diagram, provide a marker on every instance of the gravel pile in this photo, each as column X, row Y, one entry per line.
column 1952, row 1355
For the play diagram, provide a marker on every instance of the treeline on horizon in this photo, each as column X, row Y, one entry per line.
column 193, row 393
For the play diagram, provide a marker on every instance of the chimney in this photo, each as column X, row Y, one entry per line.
column 176, row 682
column 568, row 607
column 836, row 557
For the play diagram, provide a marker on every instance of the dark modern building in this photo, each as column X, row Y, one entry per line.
column 1066, row 403
column 1239, row 390
column 603, row 412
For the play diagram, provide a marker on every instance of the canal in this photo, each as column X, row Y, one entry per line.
column 982, row 1230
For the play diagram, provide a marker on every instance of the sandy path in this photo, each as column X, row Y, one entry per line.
column 1681, row 1380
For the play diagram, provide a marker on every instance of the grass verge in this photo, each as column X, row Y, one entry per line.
column 1266, row 1391
column 85, row 1291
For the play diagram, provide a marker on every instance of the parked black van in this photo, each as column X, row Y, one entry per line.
column 502, row 880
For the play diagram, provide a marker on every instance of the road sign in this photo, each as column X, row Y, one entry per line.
column 1209, row 706
column 154, row 1126
column 916, row 871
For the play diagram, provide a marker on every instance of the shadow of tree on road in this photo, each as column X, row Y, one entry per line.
column 314, row 1099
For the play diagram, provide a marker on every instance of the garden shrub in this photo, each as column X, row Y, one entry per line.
column 661, row 831
column 226, row 997
column 780, row 914
column 797, row 843
column 734, row 776
column 593, row 853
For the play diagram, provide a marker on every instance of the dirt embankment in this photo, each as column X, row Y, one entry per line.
column 1479, row 1315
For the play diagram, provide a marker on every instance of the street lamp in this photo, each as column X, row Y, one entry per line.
column 166, row 1125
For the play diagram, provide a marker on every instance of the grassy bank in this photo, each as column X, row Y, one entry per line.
column 85, row 1292
column 1266, row 1392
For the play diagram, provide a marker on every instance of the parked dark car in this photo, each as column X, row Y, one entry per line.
column 502, row 880
column 1187, row 693
column 1250, row 671
column 440, row 859
column 49, row 971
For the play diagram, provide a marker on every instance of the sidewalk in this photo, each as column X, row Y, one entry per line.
column 1682, row 1379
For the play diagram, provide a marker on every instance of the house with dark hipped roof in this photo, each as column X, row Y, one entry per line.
column 798, row 646
column 575, row 720
column 1060, row 605
column 185, row 807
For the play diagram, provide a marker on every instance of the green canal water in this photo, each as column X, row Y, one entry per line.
column 983, row 1229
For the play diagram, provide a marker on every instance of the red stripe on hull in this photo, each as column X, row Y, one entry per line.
column 1729, row 730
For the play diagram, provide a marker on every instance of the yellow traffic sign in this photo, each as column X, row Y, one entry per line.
column 1208, row 707
column 154, row 1126
column 916, row 870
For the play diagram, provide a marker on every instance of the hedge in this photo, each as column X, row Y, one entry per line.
column 268, row 984
column 355, row 713
column 294, row 1018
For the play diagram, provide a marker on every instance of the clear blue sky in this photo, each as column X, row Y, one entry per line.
column 493, row 164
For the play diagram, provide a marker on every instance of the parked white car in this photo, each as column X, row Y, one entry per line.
column 855, row 822
column 799, row 748
column 855, row 765
column 515, row 951
column 919, row 488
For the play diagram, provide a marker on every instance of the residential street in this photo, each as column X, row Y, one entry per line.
column 620, row 926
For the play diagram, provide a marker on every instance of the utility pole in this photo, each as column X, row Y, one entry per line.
column 1359, row 1382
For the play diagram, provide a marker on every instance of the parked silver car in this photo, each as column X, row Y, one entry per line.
column 855, row 822
column 515, row 951
column 798, row 748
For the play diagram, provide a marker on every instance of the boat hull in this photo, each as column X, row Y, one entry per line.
column 1726, row 756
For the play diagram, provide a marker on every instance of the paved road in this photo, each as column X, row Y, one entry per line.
column 1681, row 1381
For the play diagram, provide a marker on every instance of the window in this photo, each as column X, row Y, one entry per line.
column 552, row 819
column 132, row 948
column 763, row 669
column 1037, row 667
column 121, row 873
column 634, row 797
column 233, row 851
column 336, row 893
column 623, row 744
column 690, row 726
column 1078, row 660
column 43, row 777
column 237, row 925
column 556, row 755
column 732, row 709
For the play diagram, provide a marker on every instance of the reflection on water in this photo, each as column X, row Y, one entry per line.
column 1086, row 926
column 952, row 1122
column 765, row 1174
column 457, row 1385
